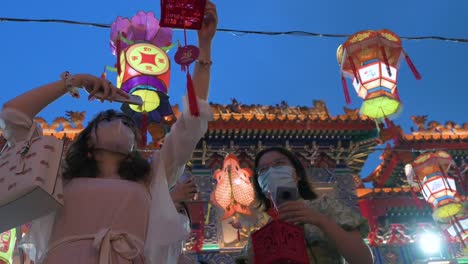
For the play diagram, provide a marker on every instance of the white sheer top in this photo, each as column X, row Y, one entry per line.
column 165, row 225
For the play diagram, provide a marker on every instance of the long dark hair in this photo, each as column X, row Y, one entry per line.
column 304, row 187
column 80, row 161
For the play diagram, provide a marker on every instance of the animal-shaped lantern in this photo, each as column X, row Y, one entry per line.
column 143, row 67
column 234, row 191
column 371, row 59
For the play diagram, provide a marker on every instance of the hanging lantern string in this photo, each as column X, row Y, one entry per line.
column 298, row 33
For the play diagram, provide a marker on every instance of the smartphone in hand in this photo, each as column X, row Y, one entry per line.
column 285, row 194
column 132, row 99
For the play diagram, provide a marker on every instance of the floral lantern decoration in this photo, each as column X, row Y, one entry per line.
column 143, row 67
column 234, row 192
column 371, row 60
column 430, row 173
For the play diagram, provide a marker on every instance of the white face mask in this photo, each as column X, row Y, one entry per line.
column 113, row 136
column 274, row 177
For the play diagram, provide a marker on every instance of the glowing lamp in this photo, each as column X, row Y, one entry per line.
column 429, row 242
column 279, row 242
column 430, row 172
column 7, row 246
column 234, row 192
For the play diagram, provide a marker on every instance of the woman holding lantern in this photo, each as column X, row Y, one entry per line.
column 331, row 230
column 117, row 206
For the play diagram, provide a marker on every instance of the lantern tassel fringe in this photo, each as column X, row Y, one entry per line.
column 416, row 74
column 345, row 90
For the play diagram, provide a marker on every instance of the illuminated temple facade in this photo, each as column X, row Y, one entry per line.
column 333, row 150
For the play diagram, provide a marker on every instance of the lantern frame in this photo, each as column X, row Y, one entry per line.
column 374, row 77
column 459, row 228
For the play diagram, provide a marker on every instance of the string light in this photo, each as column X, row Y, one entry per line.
column 297, row 33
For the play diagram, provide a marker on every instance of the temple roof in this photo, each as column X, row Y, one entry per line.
column 347, row 138
column 449, row 136
column 284, row 117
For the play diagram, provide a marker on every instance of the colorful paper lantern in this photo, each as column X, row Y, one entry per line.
column 143, row 67
column 371, row 60
column 7, row 246
column 429, row 172
column 234, row 191
column 279, row 242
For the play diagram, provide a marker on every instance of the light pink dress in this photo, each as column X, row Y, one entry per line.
column 115, row 221
column 96, row 208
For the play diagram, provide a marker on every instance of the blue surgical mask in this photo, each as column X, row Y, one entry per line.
column 274, row 177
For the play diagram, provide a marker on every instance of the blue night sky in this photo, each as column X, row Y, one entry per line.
column 251, row 68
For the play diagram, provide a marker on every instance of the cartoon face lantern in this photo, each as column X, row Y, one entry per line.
column 234, row 191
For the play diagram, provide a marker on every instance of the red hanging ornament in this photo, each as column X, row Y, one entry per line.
column 118, row 50
column 416, row 74
column 185, row 56
column 144, row 128
column 345, row 90
column 186, row 14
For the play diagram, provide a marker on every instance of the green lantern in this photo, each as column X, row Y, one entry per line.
column 381, row 105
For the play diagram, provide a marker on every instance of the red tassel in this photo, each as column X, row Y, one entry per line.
column 397, row 95
column 238, row 235
column 384, row 55
column 144, row 128
column 118, row 50
column 460, row 178
column 388, row 122
column 345, row 90
column 351, row 62
column 416, row 199
column 192, row 98
column 416, row 74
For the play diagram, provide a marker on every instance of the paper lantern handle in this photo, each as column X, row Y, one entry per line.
column 144, row 128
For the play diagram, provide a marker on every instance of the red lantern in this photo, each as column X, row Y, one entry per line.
column 187, row 14
column 279, row 242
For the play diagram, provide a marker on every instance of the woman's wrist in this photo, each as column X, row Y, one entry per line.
column 321, row 220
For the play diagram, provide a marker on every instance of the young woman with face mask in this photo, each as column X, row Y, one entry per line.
column 331, row 229
column 117, row 206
